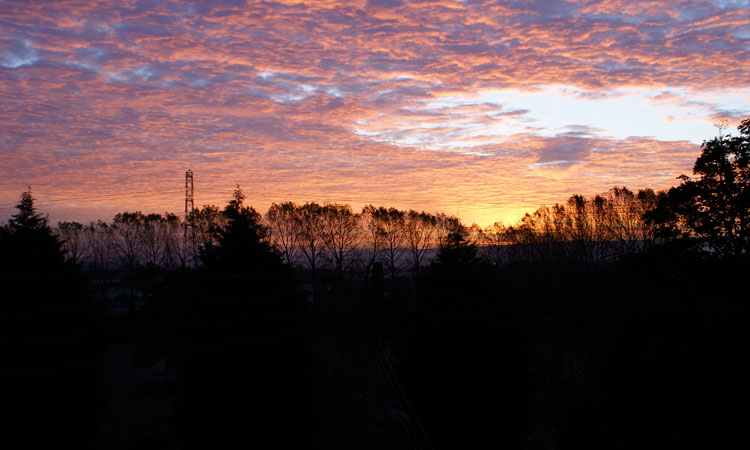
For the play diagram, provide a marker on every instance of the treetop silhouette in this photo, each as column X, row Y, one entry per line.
column 241, row 246
column 28, row 243
column 713, row 206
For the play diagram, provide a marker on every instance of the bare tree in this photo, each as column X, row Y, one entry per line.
column 311, row 236
column 153, row 239
column 341, row 232
column 374, row 231
column 582, row 228
column 101, row 241
column 525, row 237
column 394, row 229
column 172, row 229
column 493, row 242
column 444, row 225
column 206, row 222
column 647, row 200
column 600, row 217
column 419, row 229
column 74, row 241
column 127, row 235
column 388, row 226
column 625, row 219
column 283, row 224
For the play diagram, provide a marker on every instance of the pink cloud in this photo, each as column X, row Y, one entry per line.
column 328, row 100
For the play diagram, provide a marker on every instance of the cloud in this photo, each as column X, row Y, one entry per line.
column 15, row 54
column 371, row 100
column 562, row 152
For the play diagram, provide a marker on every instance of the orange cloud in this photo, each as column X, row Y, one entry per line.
column 341, row 101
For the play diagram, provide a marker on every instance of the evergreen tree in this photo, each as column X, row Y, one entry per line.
column 456, row 250
column 241, row 248
column 457, row 276
column 50, row 347
column 28, row 245
column 27, row 217
column 242, row 375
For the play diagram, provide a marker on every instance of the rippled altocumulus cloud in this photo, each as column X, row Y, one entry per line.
column 481, row 109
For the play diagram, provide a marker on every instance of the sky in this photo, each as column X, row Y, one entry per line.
column 480, row 109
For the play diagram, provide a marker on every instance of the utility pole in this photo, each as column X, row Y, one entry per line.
column 188, row 222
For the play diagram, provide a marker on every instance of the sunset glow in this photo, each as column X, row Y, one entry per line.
column 480, row 109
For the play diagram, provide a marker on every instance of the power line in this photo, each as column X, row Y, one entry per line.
column 401, row 390
column 105, row 196
column 386, row 380
column 100, row 198
column 270, row 197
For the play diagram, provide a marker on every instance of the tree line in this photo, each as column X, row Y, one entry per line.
column 333, row 235
column 710, row 210
column 536, row 317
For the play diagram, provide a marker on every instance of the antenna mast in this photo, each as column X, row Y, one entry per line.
column 188, row 223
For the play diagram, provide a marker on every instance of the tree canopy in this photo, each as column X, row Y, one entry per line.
column 714, row 204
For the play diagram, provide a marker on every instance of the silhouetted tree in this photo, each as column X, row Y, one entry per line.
column 493, row 241
column 74, row 242
column 419, row 229
column 154, row 239
column 457, row 276
column 311, row 237
column 342, row 233
column 455, row 249
column 49, row 342
column 206, row 221
column 30, row 244
column 715, row 206
column 387, row 226
column 582, row 230
column 127, row 237
column 444, row 225
column 172, row 229
column 374, row 233
column 100, row 236
column 284, row 228
column 240, row 355
column 647, row 200
column 241, row 248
